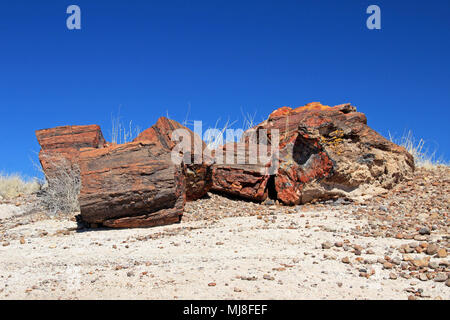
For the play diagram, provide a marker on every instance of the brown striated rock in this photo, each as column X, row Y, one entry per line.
column 131, row 185
column 327, row 152
column 61, row 145
column 238, row 177
column 197, row 160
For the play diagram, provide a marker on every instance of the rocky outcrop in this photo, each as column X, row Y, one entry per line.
column 326, row 152
column 197, row 164
column 131, row 185
column 60, row 146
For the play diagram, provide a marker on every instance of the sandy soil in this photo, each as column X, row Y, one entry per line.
column 248, row 251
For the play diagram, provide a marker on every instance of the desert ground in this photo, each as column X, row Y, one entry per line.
column 391, row 246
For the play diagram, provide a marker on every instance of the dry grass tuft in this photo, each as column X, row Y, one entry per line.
column 120, row 133
column 423, row 157
column 14, row 185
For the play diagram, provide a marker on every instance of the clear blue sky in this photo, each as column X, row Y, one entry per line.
column 221, row 57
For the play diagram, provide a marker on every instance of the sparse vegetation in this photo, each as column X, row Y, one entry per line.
column 216, row 136
column 120, row 133
column 60, row 192
column 14, row 185
column 423, row 156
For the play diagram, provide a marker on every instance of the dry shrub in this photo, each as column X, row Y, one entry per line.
column 13, row 186
column 60, row 192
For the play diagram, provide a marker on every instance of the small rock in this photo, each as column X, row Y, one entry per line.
column 267, row 277
column 424, row 231
column 440, row 277
column 432, row 249
column 326, row 245
column 433, row 265
column 345, row 260
column 423, row 277
column 442, row 253
column 420, row 263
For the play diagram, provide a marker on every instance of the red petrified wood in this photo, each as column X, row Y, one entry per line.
column 198, row 171
column 131, row 185
column 240, row 178
column 324, row 152
column 61, row 145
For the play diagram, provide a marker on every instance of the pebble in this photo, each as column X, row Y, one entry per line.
column 440, row 277
column 420, row 263
column 326, row 245
column 345, row 260
column 442, row 253
column 423, row 277
column 433, row 265
column 392, row 276
column 432, row 249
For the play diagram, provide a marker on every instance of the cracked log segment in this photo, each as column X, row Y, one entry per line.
column 245, row 180
column 131, row 185
column 197, row 159
column 61, row 146
column 324, row 152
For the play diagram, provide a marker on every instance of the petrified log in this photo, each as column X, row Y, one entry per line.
column 327, row 152
column 324, row 152
column 60, row 146
column 131, row 185
column 197, row 162
column 237, row 175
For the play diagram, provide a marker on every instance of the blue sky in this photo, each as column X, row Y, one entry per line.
column 150, row 58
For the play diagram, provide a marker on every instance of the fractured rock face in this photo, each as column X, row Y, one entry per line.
column 197, row 162
column 61, row 146
column 325, row 152
column 335, row 153
column 240, row 178
column 131, row 185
